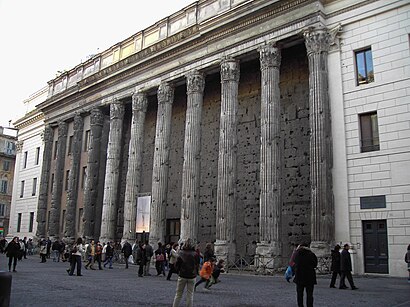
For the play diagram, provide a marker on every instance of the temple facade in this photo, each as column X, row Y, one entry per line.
column 255, row 125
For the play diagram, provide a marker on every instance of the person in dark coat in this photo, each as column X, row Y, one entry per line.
column 346, row 268
column 305, row 274
column 13, row 251
column 127, row 250
column 335, row 266
column 209, row 252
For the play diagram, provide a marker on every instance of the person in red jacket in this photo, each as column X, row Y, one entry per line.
column 206, row 273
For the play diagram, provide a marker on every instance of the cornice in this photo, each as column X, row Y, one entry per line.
column 29, row 120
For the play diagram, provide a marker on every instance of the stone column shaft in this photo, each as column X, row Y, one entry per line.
column 92, row 173
column 139, row 109
column 54, row 218
column 160, row 165
column 322, row 223
column 109, row 212
column 44, row 182
column 192, row 151
column 270, row 187
column 227, row 159
column 72, row 195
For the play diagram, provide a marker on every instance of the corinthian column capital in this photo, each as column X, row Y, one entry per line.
column 165, row 93
column 318, row 40
column 195, row 82
column 139, row 102
column 78, row 122
column 116, row 109
column 230, row 70
column 270, row 56
column 62, row 129
column 47, row 134
column 96, row 117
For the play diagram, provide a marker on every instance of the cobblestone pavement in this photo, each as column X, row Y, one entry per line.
column 48, row 284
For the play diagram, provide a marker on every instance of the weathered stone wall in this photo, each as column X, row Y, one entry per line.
column 294, row 87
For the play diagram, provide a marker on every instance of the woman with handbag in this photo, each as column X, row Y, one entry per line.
column 160, row 259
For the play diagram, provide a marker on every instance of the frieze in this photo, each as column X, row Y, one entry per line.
column 195, row 82
column 270, row 56
column 139, row 102
column 230, row 70
column 96, row 117
column 165, row 93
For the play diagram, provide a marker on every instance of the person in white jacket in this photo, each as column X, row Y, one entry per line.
column 76, row 252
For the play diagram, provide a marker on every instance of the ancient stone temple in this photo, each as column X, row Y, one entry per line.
column 219, row 119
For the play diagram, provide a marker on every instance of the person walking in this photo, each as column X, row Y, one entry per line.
column 141, row 258
column 346, row 268
column 56, row 250
column 305, row 274
column 90, row 255
column 127, row 251
column 98, row 254
column 109, row 254
column 43, row 250
column 160, row 259
column 76, row 253
column 173, row 256
column 187, row 268
column 149, row 252
column 12, row 251
column 209, row 252
column 335, row 266
column 206, row 273
column 407, row 260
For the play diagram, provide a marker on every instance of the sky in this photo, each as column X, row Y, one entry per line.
column 40, row 37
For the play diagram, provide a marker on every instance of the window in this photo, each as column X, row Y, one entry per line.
column 84, row 177
column 25, row 159
column 10, row 148
column 6, row 165
column 87, row 140
column 373, row 202
column 369, row 132
column 2, row 209
column 19, row 222
column 52, row 183
column 33, row 192
column 55, row 149
column 31, row 222
column 67, row 179
column 70, row 144
column 22, row 189
column 3, row 186
column 37, row 159
column 364, row 66
column 173, row 230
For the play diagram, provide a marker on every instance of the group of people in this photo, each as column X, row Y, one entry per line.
column 17, row 249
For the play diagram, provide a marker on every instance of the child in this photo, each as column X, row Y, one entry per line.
column 219, row 268
column 206, row 273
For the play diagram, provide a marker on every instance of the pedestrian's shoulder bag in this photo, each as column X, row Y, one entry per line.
column 74, row 250
column 159, row 257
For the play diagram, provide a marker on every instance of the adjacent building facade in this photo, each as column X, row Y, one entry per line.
column 255, row 125
column 7, row 161
column 27, row 168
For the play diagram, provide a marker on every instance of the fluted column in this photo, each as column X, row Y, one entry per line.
column 192, row 151
column 72, row 194
column 112, row 172
column 54, row 218
column 225, row 245
column 93, row 166
column 270, row 158
column 317, row 43
column 160, row 165
column 139, row 109
column 47, row 137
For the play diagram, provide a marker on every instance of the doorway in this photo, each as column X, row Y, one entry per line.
column 376, row 256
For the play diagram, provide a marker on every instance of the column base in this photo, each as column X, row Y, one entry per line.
column 322, row 252
column 226, row 251
column 268, row 257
